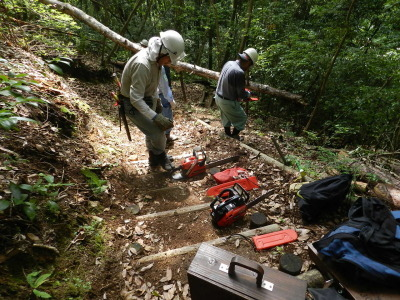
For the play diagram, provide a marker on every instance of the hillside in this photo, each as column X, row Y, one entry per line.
column 91, row 231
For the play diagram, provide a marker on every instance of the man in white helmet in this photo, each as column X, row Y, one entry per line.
column 231, row 91
column 139, row 84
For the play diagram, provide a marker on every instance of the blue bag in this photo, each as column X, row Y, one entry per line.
column 368, row 244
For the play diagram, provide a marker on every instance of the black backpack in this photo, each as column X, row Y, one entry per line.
column 323, row 195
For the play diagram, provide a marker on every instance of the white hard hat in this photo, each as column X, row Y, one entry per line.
column 251, row 53
column 174, row 44
column 144, row 43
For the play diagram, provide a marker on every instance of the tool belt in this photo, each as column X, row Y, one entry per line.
column 223, row 97
column 122, row 98
column 147, row 100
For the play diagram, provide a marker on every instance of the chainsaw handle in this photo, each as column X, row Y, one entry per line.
column 228, row 190
column 196, row 151
column 212, row 204
column 250, row 265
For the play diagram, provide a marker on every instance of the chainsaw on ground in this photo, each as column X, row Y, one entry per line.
column 231, row 205
column 196, row 164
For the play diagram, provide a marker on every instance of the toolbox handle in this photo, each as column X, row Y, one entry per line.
column 250, row 265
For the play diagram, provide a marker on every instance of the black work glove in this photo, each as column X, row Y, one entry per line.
column 159, row 106
column 162, row 122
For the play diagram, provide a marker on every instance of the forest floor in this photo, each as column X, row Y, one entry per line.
column 92, row 244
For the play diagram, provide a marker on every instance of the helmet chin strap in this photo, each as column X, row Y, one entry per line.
column 159, row 53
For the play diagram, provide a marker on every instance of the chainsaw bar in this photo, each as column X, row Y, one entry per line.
column 259, row 199
column 180, row 176
column 222, row 161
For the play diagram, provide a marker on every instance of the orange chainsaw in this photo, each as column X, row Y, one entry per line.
column 196, row 164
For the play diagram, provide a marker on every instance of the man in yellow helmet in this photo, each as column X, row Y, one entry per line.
column 231, row 91
column 139, row 84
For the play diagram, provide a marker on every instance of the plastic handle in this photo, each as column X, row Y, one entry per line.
column 212, row 204
column 250, row 265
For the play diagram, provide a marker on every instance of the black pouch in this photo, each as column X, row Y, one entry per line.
column 324, row 195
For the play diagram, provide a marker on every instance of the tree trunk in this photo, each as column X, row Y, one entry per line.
column 233, row 34
column 330, row 67
column 247, row 27
column 125, row 27
column 180, row 66
column 183, row 87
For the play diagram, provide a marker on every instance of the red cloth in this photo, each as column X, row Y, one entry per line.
column 230, row 175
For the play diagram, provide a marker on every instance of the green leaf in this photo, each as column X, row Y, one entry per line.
column 16, row 195
column 66, row 59
column 56, row 69
column 53, row 206
column 21, row 75
column 22, row 87
column 48, row 178
column 5, row 113
column 26, row 187
column 30, row 100
column 155, row 293
column 94, row 179
column 41, row 279
column 6, row 93
column 31, row 278
column 7, row 124
column 100, row 189
column 65, row 63
column 24, row 119
column 41, row 189
column 41, row 294
column 4, row 204
column 30, row 210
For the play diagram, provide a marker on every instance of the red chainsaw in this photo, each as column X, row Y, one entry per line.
column 231, row 205
column 196, row 164
column 252, row 96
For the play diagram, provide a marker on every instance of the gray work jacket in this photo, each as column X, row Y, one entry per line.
column 140, row 79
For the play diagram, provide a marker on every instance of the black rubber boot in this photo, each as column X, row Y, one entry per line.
column 164, row 162
column 228, row 131
column 153, row 160
column 235, row 134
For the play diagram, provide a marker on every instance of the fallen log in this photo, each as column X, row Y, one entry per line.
column 264, row 157
column 194, row 247
column 181, row 66
column 388, row 193
column 175, row 212
column 313, row 277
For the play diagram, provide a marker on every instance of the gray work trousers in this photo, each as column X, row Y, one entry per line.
column 232, row 113
column 155, row 137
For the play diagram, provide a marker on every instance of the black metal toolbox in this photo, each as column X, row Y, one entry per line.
column 216, row 274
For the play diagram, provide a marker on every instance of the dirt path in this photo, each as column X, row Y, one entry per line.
column 133, row 184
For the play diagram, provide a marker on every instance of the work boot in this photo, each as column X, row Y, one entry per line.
column 228, row 131
column 170, row 138
column 153, row 160
column 164, row 162
column 235, row 135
